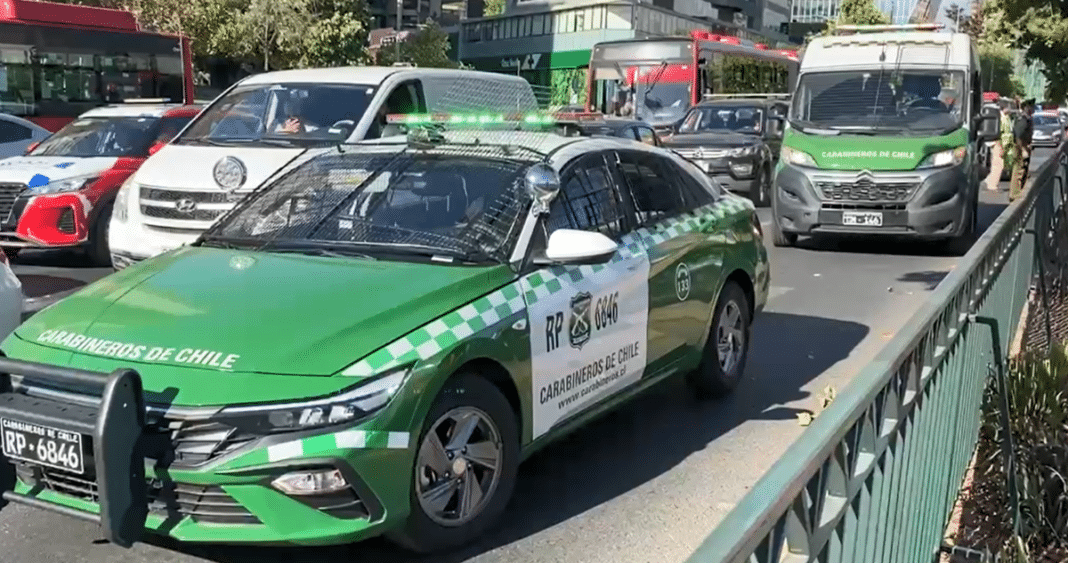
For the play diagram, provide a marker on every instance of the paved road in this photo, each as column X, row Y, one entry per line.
column 645, row 484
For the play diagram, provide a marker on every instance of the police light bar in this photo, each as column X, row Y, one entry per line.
column 884, row 28
column 577, row 116
column 476, row 119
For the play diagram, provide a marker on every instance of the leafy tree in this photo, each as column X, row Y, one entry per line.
column 956, row 14
column 493, row 8
column 273, row 31
column 337, row 35
column 1038, row 26
column 428, row 48
column 857, row 12
column 997, row 63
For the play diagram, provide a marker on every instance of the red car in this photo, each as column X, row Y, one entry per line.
column 60, row 194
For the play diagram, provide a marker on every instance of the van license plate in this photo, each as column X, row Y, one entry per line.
column 862, row 219
column 42, row 445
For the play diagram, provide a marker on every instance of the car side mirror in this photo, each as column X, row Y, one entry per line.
column 569, row 246
column 32, row 147
column 775, row 126
column 155, row 148
column 988, row 126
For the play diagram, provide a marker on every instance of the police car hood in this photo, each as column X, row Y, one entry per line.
column 193, row 166
column 255, row 312
column 40, row 170
column 719, row 139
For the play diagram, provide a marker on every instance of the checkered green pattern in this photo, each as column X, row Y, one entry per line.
column 325, row 444
column 485, row 312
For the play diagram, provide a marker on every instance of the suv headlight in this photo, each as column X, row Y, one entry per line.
column 120, row 211
column 951, row 157
column 743, row 151
column 794, row 156
column 357, row 402
column 67, row 185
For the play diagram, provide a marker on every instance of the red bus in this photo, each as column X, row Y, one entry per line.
column 658, row 80
column 58, row 61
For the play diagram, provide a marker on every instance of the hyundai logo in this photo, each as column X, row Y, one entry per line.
column 185, row 205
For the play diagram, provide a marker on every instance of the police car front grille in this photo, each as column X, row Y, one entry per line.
column 9, row 192
column 866, row 190
column 202, row 503
column 198, row 442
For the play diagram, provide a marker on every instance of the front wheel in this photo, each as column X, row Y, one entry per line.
column 761, row 192
column 727, row 349
column 99, row 252
column 465, row 467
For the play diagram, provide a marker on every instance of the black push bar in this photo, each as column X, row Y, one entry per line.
column 116, row 425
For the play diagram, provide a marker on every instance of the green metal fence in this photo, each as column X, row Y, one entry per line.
column 875, row 478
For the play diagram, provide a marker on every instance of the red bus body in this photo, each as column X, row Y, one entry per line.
column 687, row 65
column 61, row 60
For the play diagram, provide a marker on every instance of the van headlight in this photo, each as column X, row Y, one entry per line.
column 940, row 159
column 352, row 404
column 120, row 211
column 794, row 156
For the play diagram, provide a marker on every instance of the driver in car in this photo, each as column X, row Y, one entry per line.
column 294, row 123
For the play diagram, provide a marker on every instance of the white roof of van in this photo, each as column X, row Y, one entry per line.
column 874, row 50
column 369, row 75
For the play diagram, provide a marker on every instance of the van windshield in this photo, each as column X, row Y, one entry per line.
column 920, row 101
column 281, row 114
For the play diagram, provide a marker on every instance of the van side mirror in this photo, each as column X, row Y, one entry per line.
column 988, row 125
column 775, row 125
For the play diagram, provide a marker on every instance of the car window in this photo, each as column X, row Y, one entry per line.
column 171, row 126
column 648, row 181
column 588, row 200
column 695, row 193
column 11, row 132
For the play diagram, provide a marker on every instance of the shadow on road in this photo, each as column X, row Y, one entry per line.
column 35, row 285
column 57, row 258
column 930, row 278
column 894, row 246
column 626, row 448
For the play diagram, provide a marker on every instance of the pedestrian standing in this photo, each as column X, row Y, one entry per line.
column 1003, row 150
column 1022, row 131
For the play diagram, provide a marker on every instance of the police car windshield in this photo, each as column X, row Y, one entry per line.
column 1046, row 120
column 377, row 202
column 102, row 136
column 740, row 119
column 272, row 114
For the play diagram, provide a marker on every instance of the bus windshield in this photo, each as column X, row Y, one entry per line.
column 103, row 136
column 273, row 114
column 924, row 101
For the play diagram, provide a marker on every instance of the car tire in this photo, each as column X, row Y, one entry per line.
column 779, row 238
column 98, row 250
column 472, row 394
column 711, row 379
column 11, row 253
column 760, row 194
column 962, row 243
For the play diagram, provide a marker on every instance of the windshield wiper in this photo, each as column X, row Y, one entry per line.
column 315, row 249
column 473, row 256
column 812, row 129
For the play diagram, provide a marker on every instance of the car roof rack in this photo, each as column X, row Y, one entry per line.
column 850, row 29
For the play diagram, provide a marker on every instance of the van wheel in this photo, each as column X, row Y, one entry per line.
column 727, row 348
column 761, row 192
column 99, row 252
column 779, row 238
column 465, row 467
column 962, row 243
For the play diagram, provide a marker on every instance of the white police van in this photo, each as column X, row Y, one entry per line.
column 266, row 121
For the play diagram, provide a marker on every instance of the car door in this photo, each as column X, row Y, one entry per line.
column 587, row 323
column 685, row 266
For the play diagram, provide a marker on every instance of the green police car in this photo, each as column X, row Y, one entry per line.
column 373, row 341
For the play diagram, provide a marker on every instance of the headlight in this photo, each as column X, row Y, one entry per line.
column 60, row 186
column 951, row 157
column 743, row 151
column 794, row 156
column 120, row 210
column 353, row 404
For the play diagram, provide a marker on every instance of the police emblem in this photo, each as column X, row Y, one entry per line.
column 580, row 323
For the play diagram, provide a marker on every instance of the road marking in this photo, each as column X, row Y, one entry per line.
column 777, row 291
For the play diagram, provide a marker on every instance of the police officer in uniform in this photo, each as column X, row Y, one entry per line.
column 1022, row 131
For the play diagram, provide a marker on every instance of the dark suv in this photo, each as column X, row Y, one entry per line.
column 736, row 141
